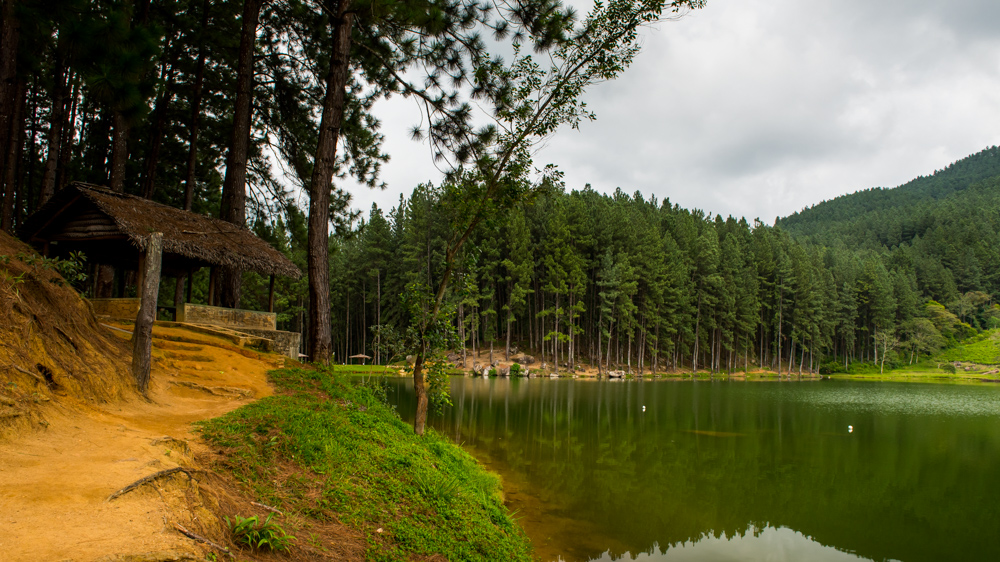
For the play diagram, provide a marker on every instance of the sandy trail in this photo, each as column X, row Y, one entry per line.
column 54, row 483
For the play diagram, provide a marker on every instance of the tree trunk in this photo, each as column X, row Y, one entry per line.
column 318, row 248
column 10, row 34
column 607, row 356
column 347, row 327
column 656, row 348
column 628, row 354
column 420, row 420
column 119, row 151
column 159, row 124
column 555, row 338
column 68, row 134
column 119, row 154
column 697, row 322
column 778, row 335
column 510, row 312
column 874, row 343
column 26, row 181
column 194, row 126
column 178, row 294
column 233, row 204
column 142, row 336
column 461, row 332
column 506, row 353
column 13, row 155
column 791, row 355
column 572, row 324
column 57, row 118
column 600, row 333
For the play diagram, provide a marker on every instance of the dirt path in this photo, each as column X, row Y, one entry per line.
column 54, row 483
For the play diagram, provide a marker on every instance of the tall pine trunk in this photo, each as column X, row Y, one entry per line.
column 68, row 133
column 13, row 157
column 10, row 35
column 57, row 119
column 195, row 124
column 780, row 299
column 318, row 250
column 697, row 322
column 600, row 333
column 119, row 150
column 148, row 187
column 234, row 187
column 119, row 157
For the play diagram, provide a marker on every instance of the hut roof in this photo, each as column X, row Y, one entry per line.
column 186, row 234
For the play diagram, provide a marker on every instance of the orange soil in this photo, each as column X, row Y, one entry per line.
column 55, row 481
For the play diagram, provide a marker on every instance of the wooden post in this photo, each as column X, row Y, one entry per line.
column 178, row 295
column 114, row 280
column 270, row 295
column 190, row 280
column 213, row 275
column 142, row 337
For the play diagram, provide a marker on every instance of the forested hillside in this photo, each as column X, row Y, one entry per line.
column 942, row 230
column 640, row 284
column 889, row 217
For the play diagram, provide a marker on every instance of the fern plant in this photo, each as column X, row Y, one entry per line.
column 258, row 535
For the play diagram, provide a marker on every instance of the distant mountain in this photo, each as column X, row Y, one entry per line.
column 966, row 189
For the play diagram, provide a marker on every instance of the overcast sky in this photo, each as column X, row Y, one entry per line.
column 759, row 108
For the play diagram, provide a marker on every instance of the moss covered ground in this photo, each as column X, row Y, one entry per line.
column 328, row 449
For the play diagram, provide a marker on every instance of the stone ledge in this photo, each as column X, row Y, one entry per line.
column 235, row 318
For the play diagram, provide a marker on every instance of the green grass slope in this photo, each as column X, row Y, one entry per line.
column 983, row 349
column 327, row 449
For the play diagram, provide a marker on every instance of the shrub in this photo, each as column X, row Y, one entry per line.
column 515, row 370
column 948, row 368
column 258, row 535
column 831, row 367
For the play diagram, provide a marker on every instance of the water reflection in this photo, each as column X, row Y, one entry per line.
column 591, row 474
column 772, row 544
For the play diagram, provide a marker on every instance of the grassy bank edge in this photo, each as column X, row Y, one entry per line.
column 325, row 449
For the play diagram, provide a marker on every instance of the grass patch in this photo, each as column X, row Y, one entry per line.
column 378, row 370
column 327, row 449
column 983, row 349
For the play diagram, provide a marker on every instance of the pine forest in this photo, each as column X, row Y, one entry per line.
column 242, row 110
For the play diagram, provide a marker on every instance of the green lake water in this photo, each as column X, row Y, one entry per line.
column 716, row 471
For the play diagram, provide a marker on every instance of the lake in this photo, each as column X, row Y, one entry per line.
column 706, row 471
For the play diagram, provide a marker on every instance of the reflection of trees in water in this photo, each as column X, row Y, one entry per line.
column 713, row 457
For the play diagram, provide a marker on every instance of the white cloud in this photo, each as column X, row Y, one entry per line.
column 762, row 107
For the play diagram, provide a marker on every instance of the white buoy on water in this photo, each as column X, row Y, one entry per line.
column 643, row 408
column 850, row 429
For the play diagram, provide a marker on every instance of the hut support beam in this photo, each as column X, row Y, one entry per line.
column 178, row 295
column 142, row 337
column 270, row 295
column 213, row 279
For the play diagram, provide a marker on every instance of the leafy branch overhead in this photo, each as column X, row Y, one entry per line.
column 490, row 168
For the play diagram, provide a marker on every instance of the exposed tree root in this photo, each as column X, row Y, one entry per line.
column 151, row 478
column 223, row 391
column 202, row 539
column 267, row 507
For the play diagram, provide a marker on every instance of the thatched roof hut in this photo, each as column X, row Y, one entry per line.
column 112, row 228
